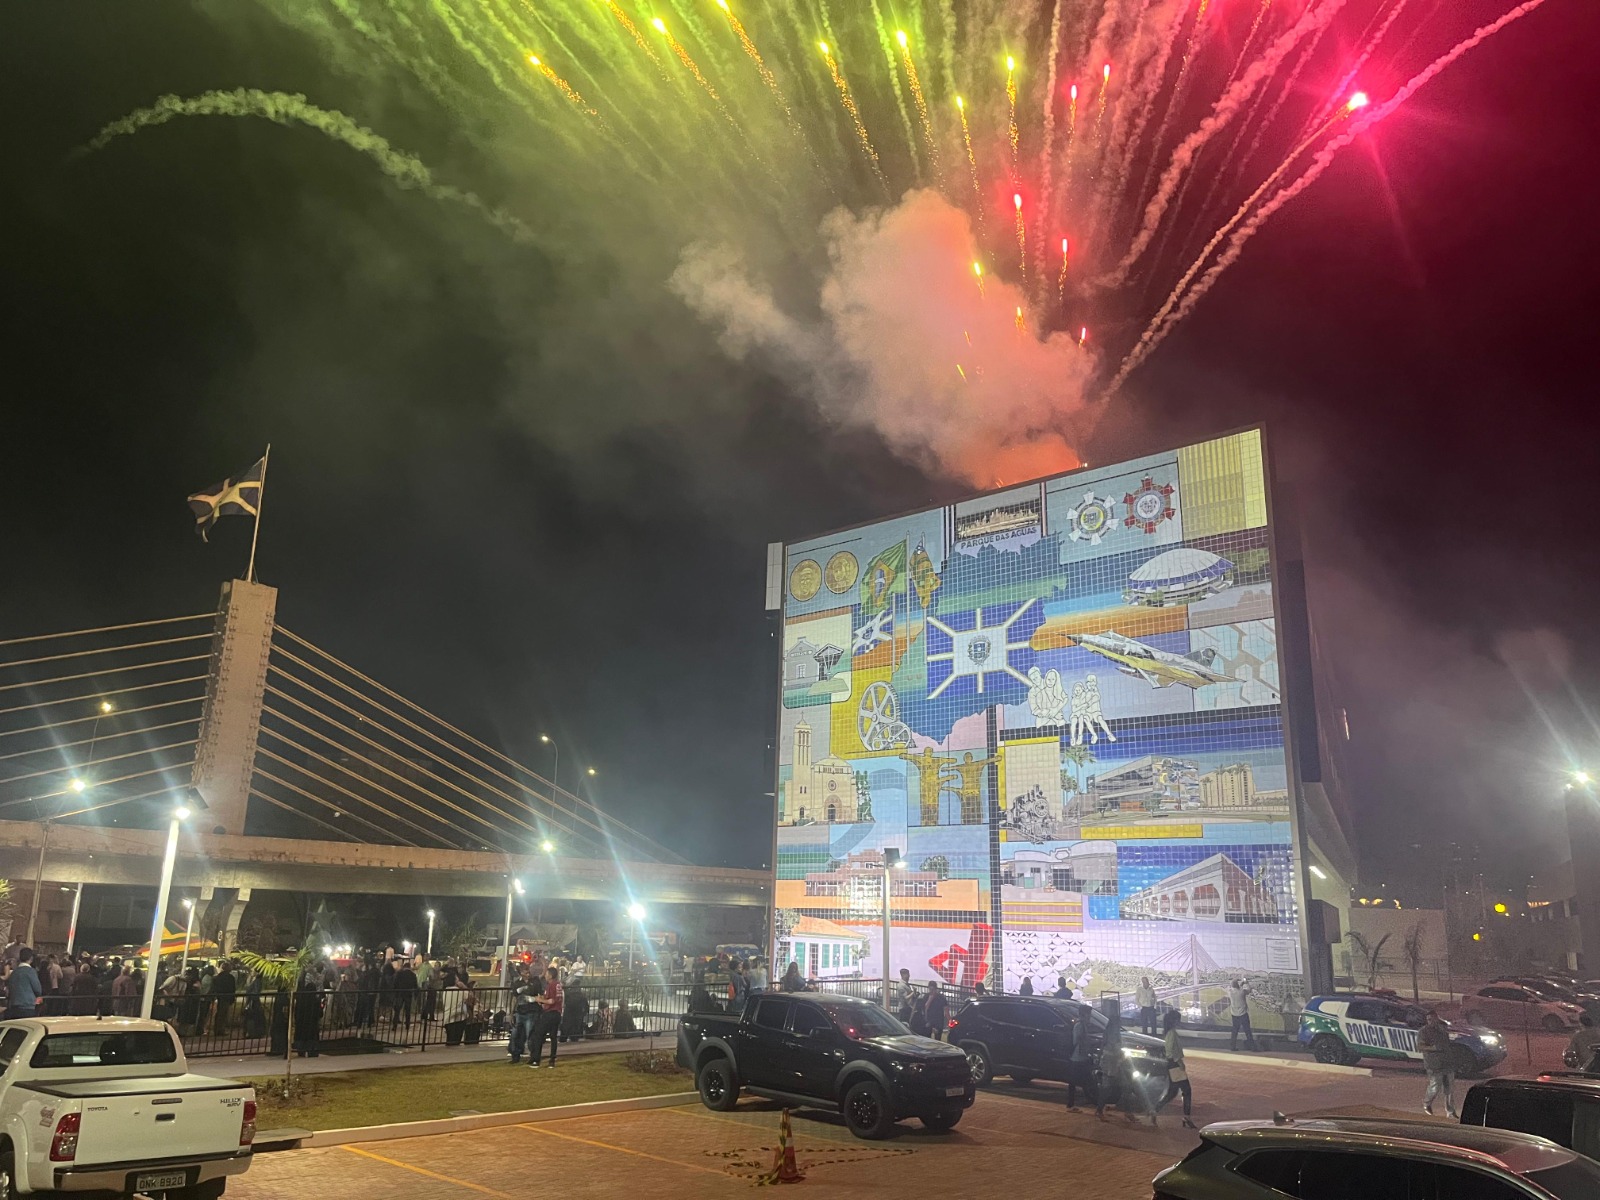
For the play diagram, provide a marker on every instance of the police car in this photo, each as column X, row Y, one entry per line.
column 1345, row 1029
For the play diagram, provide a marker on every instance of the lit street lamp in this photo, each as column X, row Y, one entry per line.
column 158, row 926
column 514, row 888
column 555, row 771
column 188, row 934
column 428, row 953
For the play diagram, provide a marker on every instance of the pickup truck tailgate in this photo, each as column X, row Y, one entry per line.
column 152, row 1119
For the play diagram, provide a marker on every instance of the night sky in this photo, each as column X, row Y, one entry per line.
column 527, row 490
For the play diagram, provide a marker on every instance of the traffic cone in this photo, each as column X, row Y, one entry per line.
column 788, row 1172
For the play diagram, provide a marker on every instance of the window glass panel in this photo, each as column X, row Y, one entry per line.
column 770, row 1014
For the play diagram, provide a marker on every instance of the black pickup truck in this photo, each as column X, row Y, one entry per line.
column 830, row 1052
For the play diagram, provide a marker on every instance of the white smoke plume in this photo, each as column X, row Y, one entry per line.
column 906, row 345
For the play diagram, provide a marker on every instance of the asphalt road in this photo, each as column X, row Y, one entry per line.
column 1014, row 1139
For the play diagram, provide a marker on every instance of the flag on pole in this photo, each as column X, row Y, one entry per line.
column 239, row 497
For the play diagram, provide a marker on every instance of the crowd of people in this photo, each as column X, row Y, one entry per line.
column 65, row 985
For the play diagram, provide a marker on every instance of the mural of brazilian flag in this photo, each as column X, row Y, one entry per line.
column 883, row 580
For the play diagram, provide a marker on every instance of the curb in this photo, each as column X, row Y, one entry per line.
column 1298, row 1064
column 525, row 1116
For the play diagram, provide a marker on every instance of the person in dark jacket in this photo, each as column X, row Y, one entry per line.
column 1080, row 1067
column 937, row 1012
column 405, row 991
column 223, row 988
column 575, row 1013
column 86, row 995
column 307, row 1018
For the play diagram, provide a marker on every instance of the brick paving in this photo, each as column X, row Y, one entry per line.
column 1014, row 1138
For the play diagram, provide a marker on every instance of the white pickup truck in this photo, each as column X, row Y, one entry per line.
column 107, row 1105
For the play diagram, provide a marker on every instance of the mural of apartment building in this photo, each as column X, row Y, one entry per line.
column 1214, row 889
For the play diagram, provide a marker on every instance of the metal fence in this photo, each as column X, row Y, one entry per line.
column 364, row 1022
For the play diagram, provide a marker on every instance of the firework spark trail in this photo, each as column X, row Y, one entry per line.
column 921, row 100
column 1100, row 106
column 1061, row 282
column 1285, row 92
column 1011, row 108
column 284, row 108
column 562, row 85
column 887, row 45
column 1180, row 92
column 947, row 60
column 767, row 77
column 448, row 20
column 1156, row 72
column 849, row 103
column 639, row 39
column 1022, row 239
column 1188, row 151
column 688, row 63
column 1163, row 323
column 1047, row 148
column 972, row 163
column 1367, row 50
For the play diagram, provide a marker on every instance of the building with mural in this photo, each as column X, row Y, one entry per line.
column 1083, row 710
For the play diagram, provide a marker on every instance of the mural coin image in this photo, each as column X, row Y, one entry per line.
column 843, row 570
column 805, row 579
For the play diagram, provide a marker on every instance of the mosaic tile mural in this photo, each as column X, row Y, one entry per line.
column 1060, row 702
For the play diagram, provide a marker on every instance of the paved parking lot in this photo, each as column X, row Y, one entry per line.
column 1016, row 1138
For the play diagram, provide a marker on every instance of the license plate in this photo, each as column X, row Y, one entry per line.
column 156, row 1181
column 955, row 1091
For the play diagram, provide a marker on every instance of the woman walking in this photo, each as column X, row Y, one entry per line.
column 1177, row 1073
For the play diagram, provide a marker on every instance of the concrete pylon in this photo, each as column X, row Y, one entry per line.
column 231, row 720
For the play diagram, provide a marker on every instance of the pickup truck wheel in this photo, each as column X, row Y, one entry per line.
column 1555, row 1024
column 8, row 1179
column 719, row 1091
column 867, row 1111
column 942, row 1122
column 978, row 1064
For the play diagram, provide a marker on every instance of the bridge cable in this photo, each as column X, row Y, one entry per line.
column 47, row 637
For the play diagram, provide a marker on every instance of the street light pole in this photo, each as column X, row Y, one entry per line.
column 891, row 862
column 555, row 771
column 158, row 925
column 188, row 934
column 428, row 953
column 512, row 888
column 72, row 927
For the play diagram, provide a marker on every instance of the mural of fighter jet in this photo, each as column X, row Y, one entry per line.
column 1159, row 668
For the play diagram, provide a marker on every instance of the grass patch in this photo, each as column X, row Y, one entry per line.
column 344, row 1100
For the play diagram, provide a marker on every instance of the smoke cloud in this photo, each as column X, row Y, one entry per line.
column 905, row 343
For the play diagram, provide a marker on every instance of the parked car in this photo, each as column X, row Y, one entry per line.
column 107, row 1105
column 831, row 1052
column 1029, row 1037
column 1555, row 989
column 1514, row 1006
column 1347, row 1028
column 1349, row 1159
column 1563, row 1106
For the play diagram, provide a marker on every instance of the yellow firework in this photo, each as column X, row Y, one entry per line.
column 566, row 88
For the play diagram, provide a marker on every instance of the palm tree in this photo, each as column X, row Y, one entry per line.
column 1411, row 952
column 284, row 976
column 1373, row 954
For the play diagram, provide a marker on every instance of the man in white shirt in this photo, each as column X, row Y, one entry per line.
column 578, row 968
column 1239, row 1010
column 1145, row 997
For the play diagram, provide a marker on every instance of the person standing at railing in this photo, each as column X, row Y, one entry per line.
column 575, row 1012
column 549, row 1024
column 524, row 1014
column 757, row 976
column 124, row 993
column 738, row 988
column 405, row 991
column 224, row 987
column 793, row 981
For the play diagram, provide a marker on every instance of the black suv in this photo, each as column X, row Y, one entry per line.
column 829, row 1052
column 1563, row 1106
column 1030, row 1037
